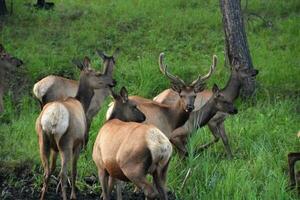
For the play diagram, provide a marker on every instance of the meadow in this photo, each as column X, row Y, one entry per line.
column 189, row 32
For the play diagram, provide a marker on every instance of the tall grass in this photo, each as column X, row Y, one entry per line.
column 189, row 33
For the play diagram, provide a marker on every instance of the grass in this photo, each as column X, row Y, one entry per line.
column 189, row 33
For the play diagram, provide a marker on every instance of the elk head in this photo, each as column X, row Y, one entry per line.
column 186, row 92
column 91, row 77
column 243, row 73
column 221, row 103
column 108, row 61
column 124, row 109
column 9, row 61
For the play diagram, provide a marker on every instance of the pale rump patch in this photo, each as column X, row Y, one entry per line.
column 55, row 119
column 298, row 134
column 109, row 110
column 159, row 146
column 41, row 87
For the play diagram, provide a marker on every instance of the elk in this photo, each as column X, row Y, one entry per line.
column 169, row 117
column 128, row 151
column 62, row 127
column 216, row 125
column 293, row 157
column 52, row 88
column 8, row 64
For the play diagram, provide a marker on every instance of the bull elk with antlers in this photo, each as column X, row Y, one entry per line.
column 169, row 117
column 216, row 125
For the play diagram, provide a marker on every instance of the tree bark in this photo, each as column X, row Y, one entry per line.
column 3, row 8
column 236, row 46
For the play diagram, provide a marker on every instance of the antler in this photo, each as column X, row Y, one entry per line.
column 201, row 79
column 164, row 69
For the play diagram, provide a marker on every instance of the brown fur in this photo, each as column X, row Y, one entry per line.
column 216, row 124
column 128, row 151
column 62, row 127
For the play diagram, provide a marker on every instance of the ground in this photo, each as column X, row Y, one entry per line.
column 261, row 135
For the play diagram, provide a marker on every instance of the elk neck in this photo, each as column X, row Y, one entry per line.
column 177, row 115
column 232, row 88
column 84, row 94
column 207, row 111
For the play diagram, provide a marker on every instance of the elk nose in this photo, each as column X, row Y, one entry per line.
column 189, row 108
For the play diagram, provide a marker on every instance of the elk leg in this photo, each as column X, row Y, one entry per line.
column 136, row 173
column 74, row 171
column 65, row 158
column 178, row 138
column 225, row 140
column 157, row 178
column 44, row 154
column 179, row 146
column 53, row 160
column 292, row 158
column 179, row 132
column 160, row 177
column 111, row 183
column 103, row 178
column 215, row 131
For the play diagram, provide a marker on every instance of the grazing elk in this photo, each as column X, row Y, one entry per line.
column 292, row 159
column 128, row 151
column 8, row 64
column 216, row 125
column 62, row 126
column 52, row 88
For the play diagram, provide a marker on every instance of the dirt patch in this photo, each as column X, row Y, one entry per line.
column 17, row 181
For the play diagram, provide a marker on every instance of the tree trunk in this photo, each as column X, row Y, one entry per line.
column 236, row 46
column 3, row 9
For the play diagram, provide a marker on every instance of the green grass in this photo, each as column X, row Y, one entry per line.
column 189, row 33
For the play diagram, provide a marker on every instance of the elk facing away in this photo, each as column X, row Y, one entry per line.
column 169, row 117
column 216, row 125
column 52, row 88
column 8, row 64
column 62, row 127
column 129, row 151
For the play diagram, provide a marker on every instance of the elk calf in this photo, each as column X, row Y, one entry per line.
column 129, row 151
column 62, row 127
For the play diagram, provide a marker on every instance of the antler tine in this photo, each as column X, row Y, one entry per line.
column 211, row 70
column 164, row 69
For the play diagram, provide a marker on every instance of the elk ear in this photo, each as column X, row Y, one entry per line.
column 78, row 64
column 215, row 89
column 116, row 53
column 86, row 62
column 176, row 87
column 101, row 54
column 113, row 94
column 124, row 94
